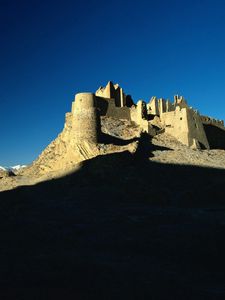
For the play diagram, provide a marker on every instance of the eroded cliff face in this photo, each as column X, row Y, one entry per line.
column 66, row 152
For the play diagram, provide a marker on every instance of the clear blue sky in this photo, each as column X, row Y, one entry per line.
column 51, row 50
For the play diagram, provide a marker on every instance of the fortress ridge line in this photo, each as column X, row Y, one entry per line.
column 177, row 118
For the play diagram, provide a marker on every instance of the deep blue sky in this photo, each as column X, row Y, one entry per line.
column 51, row 50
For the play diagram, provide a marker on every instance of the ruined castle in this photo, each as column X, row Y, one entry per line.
column 108, row 121
column 84, row 134
column 159, row 115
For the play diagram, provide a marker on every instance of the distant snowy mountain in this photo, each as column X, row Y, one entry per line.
column 17, row 167
column 13, row 168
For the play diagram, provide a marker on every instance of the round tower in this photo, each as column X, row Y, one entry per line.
column 86, row 119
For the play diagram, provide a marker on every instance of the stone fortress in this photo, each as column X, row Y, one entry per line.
column 83, row 136
column 159, row 115
column 108, row 122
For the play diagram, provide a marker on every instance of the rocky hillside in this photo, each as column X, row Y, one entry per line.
column 64, row 155
column 177, row 153
column 119, row 226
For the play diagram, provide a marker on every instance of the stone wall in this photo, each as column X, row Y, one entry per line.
column 196, row 130
column 159, row 106
column 107, row 107
column 176, row 124
column 180, row 101
column 211, row 121
column 152, row 106
column 139, row 115
column 185, row 125
column 118, row 112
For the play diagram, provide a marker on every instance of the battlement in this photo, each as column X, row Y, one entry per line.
column 211, row 121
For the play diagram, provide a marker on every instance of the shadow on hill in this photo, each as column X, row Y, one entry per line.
column 121, row 227
column 145, row 148
column 109, row 139
column 215, row 136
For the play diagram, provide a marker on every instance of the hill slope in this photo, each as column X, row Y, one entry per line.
column 120, row 225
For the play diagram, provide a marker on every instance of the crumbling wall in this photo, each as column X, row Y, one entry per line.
column 162, row 106
column 118, row 112
column 186, row 126
column 180, row 101
column 112, row 91
column 152, row 106
column 176, row 124
column 159, row 106
column 139, row 115
column 107, row 107
column 196, row 130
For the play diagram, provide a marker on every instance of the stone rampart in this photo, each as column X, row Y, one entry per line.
column 211, row 121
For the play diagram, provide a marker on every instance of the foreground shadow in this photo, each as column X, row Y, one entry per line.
column 215, row 136
column 121, row 227
column 109, row 139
